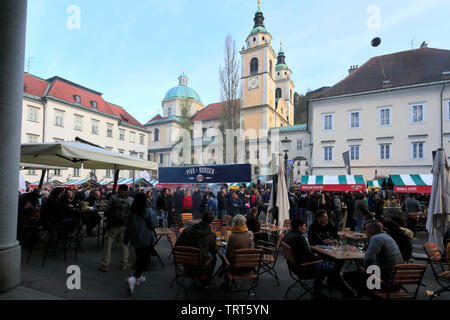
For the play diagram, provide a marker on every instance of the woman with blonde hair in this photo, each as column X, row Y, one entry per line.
column 240, row 238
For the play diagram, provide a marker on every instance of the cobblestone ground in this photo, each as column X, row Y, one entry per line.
column 49, row 282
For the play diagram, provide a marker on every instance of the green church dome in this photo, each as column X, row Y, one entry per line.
column 182, row 91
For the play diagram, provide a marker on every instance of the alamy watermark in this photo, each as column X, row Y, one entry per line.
column 74, row 280
column 74, row 19
column 212, row 146
column 374, row 20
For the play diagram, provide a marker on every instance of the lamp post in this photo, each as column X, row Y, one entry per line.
column 286, row 144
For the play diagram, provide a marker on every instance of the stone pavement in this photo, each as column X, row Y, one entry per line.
column 49, row 282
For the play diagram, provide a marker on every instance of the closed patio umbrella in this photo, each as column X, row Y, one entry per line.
column 282, row 194
column 439, row 200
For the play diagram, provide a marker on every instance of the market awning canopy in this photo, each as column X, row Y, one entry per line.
column 333, row 183
column 77, row 155
column 31, row 166
column 415, row 183
column 77, row 183
column 374, row 184
column 46, row 183
column 129, row 182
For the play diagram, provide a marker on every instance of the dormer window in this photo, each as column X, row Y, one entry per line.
column 94, row 104
column 77, row 99
column 263, row 38
column 254, row 39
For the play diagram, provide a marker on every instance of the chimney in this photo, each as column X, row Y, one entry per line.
column 352, row 69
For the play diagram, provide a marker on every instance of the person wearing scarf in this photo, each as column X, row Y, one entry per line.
column 240, row 238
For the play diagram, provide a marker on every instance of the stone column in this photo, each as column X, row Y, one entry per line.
column 12, row 55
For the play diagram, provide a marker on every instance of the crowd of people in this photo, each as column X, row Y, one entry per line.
column 315, row 219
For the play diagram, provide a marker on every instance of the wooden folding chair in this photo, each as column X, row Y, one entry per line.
column 187, row 259
column 172, row 237
column 296, row 271
column 177, row 222
column 244, row 266
column 403, row 274
column 185, row 217
column 216, row 224
column 270, row 256
column 437, row 264
column 227, row 220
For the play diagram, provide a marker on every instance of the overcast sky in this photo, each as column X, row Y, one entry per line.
column 133, row 50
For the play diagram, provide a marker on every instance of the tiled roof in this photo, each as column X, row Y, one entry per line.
column 66, row 90
column 419, row 66
column 34, row 85
column 123, row 115
column 211, row 112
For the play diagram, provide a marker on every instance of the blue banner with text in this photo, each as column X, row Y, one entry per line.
column 227, row 173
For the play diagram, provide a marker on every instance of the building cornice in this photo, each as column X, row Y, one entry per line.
column 32, row 97
column 381, row 90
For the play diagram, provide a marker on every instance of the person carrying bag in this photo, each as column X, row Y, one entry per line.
column 140, row 233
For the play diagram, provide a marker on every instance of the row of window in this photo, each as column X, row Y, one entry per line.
column 417, row 116
column 384, row 151
column 33, row 115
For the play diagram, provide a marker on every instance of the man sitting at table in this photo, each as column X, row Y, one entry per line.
column 254, row 226
column 93, row 219
column 383, row 252
column 296, row 239
column 321, row 230
column 200, row 236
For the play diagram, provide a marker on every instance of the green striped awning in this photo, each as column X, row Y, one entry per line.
column 420, row 183
column 374, row 183
column 333, row 183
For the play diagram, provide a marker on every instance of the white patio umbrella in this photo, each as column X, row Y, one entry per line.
column 440, row 199
column 282, row 194
column 77, row 155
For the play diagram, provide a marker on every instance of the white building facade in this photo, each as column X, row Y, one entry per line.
column 57, row 110
column 390, row 123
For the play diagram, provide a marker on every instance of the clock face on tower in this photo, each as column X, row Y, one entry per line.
column 253, row 83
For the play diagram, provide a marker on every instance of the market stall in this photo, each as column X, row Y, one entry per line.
column 333, row 183
column 412, row 183
column 78, row 183
column 374, row 185
column 129, row 182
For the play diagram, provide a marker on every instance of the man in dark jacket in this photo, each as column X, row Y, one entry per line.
column 201, row 236
column 321, row 230
column 178, row 201
column 361, row 212
column 163, row 204
column 311, row 207
column 196, row 202
column 222, row 202
column 411, row 208
column 296, row 239
column 34, row 197
column 236, row 205
column 254, row 226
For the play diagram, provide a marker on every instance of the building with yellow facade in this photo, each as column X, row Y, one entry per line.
column 266, row 103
